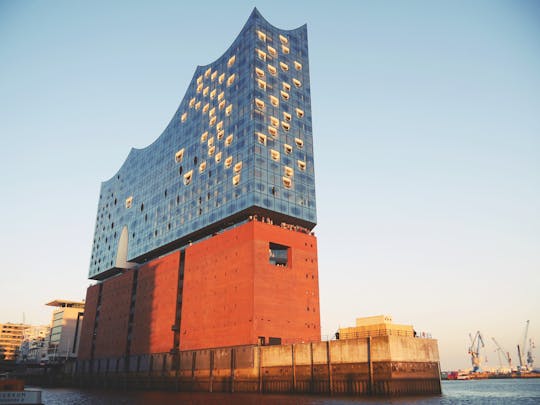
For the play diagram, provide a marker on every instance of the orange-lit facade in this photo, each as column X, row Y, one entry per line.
column 222, row 291
column 227, row 256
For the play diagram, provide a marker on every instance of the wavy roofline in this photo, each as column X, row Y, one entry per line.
column 136, row 151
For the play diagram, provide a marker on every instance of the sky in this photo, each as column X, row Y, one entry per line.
column 426, row 121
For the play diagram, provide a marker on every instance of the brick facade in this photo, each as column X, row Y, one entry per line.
column 228, row 294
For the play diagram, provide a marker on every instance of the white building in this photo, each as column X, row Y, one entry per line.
column 65, row 329
column 35, row 345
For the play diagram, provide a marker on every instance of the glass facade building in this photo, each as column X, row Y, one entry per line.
column 240, row 144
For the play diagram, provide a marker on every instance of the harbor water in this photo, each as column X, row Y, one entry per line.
column 505, row 391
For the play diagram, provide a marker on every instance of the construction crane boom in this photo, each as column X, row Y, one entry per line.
column 522, row 349
column 505, row 354
column 474, row 350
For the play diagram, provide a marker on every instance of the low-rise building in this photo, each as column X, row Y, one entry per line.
column 379, row 325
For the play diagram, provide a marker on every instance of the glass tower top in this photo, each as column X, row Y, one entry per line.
column 240, row 144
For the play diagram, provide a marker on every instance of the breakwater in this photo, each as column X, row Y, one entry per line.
column 384, row 365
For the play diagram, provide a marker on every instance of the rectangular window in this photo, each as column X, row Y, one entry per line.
column 279, row 254
column 129, row 202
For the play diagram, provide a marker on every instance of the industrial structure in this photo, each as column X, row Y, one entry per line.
column 204, row 238
column 477, row 343
column 204, row 255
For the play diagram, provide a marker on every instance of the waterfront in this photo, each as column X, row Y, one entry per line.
column 507, row 391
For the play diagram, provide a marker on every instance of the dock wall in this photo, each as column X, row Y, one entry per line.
column 385, row 365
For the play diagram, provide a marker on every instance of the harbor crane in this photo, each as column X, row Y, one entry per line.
column 505, row 354
column 530, row 358
column 474, row 350
column 523, row 363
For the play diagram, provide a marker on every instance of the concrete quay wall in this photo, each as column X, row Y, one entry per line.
column 385, row 365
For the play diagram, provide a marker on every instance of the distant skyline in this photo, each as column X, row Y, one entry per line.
column 427, row 149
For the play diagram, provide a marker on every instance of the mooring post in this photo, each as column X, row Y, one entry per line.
column 293, row 368
column 329, row 361
column 370, row 367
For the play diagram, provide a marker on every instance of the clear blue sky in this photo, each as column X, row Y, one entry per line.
column 426, row 121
